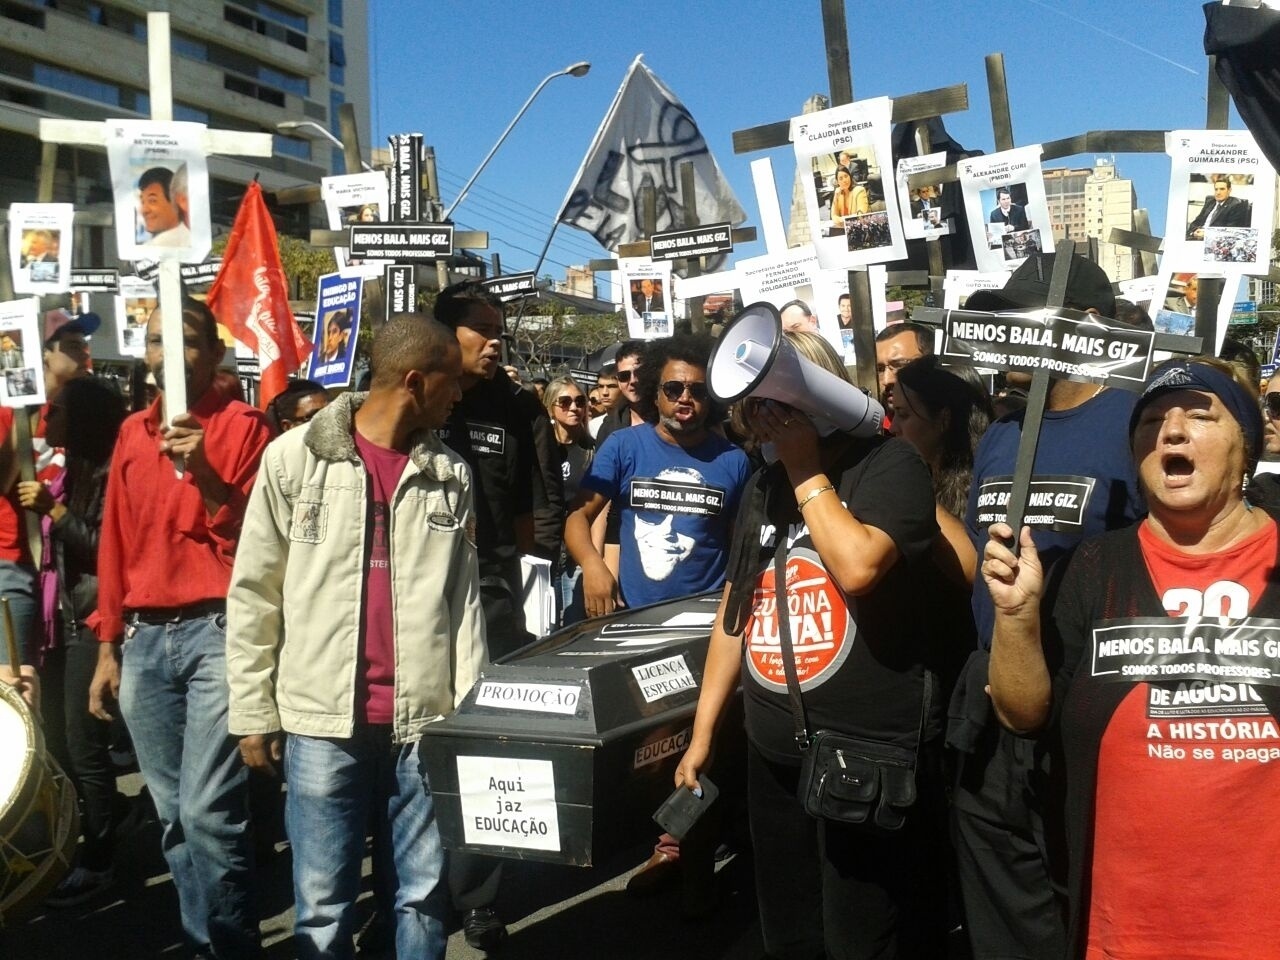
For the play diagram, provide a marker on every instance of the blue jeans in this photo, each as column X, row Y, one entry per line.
column 333, row 786
column 173, row 693
column 18, row 586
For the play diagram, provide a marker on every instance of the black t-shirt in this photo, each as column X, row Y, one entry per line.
column 860, row 660
column 488, row 429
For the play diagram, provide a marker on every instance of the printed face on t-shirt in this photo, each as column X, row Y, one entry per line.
column 661, row 548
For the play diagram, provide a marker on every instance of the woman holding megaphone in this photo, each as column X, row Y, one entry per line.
column 843, row 714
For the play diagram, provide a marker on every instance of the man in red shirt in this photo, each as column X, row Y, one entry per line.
column 176, row 498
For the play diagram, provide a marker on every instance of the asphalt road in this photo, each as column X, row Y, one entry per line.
column 551, row 911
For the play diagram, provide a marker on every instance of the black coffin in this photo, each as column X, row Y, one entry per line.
column 562, row 752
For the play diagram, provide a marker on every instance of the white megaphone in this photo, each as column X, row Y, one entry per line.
column 753, row 358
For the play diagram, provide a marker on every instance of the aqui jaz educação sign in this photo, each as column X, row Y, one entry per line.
column 1066, row 344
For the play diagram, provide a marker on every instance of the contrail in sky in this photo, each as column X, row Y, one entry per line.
column 1129, row 43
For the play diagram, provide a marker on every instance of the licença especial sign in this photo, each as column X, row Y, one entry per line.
column 694, row 242
column 383, row 241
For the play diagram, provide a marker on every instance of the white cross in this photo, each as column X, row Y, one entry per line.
column 92, row 133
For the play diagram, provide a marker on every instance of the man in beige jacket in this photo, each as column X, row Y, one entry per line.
column 354, row 621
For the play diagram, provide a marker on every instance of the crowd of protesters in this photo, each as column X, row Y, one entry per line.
column 296, row 595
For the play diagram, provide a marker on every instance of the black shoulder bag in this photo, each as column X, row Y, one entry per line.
column 842, row 778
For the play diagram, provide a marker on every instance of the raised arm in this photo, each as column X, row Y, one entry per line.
column 1018, row 675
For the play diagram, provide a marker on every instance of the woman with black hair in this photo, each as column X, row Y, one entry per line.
column 943, row 412
column 84, row 418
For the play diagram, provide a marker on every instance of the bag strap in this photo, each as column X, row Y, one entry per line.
column 784, row 635
column 843, row 488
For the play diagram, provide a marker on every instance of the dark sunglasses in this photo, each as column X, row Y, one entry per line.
column 1272, row 404
column 674, row 389
column 564, row 403
column 624, row 376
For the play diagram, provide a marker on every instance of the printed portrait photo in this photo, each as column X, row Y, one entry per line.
column 40, row 246
column 848, row 184
column 1005, row 208
column 11, row 356
column 1218, row 200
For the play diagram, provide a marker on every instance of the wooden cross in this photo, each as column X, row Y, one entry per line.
column 1033, row 416
column 912, row 108
column 1107, row 141
column 232, row 142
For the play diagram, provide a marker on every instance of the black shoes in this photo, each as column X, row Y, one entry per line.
column 483, row 930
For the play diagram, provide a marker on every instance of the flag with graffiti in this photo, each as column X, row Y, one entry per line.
column 645, row 138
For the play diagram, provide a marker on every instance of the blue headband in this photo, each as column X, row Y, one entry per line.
column 1189, row 375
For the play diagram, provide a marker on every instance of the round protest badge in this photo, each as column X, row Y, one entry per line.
column 822, row 632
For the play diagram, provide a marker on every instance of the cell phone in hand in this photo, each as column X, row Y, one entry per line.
column 680, row 811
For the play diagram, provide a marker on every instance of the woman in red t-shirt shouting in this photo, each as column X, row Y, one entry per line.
column 1154, row 652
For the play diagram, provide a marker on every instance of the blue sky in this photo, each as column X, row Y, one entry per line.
column 458, row 72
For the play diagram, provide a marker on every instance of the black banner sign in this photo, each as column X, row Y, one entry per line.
column 406, row 177
column 96, row 280
column 402, row 292
column 146, row 270
column 200, row 274
column 1055, row 502
column 405, row 243
column 1187, row 648
column 700, row 241
column 513, row 286
column 1077, row 347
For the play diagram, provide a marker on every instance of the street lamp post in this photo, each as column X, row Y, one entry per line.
column 578, row 69
column 291, row 125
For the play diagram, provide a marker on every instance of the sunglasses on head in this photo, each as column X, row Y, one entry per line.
column 564, row 403
column 1271, row 403
column 674, row 389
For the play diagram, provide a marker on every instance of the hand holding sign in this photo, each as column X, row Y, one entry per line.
column 1015, row 580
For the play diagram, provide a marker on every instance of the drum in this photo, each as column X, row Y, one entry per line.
column 39, row 822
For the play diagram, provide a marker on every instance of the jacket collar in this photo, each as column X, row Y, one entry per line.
column 331, row 436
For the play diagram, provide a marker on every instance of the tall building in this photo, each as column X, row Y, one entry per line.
column 1064, row 189
column 236, row 65
column 1109, row 202
column 1088, row 203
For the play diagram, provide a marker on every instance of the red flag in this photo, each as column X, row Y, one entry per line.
column 250, row 297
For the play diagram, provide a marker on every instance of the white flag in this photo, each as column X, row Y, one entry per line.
column 645, row 138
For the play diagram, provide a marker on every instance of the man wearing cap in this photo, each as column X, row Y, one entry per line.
column 66, row 357
column 505, row 436
column 1008, row 875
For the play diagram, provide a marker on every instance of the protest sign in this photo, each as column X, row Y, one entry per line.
column 1067, row 344
column 136, row 300
column 40, row 247
column 1221, row 203
column 646, row 295
column 337, row 326
column 1005, row 202
column 700, row 241
column 356, row 198
column 922, row 206
column 160, row 182
column 21, row 355
column 853, row 214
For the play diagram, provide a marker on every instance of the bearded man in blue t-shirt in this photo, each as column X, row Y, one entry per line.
column 676, row 483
